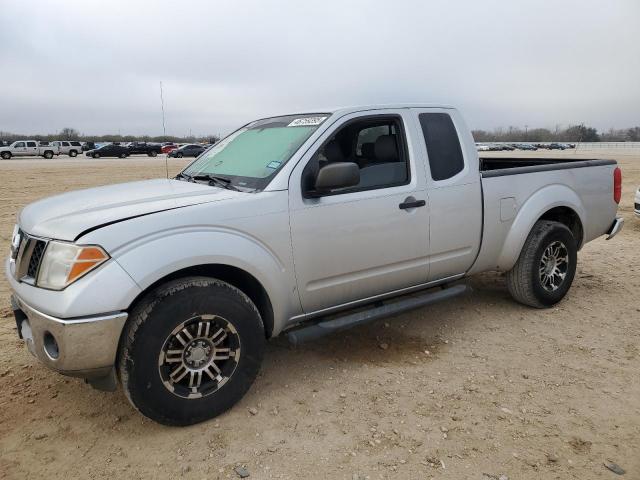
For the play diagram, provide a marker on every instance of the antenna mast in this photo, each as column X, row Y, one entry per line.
column 164, row 130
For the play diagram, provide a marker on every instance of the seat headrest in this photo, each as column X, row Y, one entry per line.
column 333, row 152
column 386, row 149
column 368, row 150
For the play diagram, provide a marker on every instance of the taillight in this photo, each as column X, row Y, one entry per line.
column 617, row 185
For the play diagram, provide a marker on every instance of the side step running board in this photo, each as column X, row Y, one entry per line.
column 393, row 307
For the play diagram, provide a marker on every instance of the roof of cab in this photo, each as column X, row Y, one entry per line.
column 360, row 108
column 384, row 106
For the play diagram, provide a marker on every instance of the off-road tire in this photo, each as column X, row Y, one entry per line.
column 6, row 155
column 153, row 321
column 523, row 280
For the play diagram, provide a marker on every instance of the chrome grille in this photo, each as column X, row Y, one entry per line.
column 28, row 258
column 36, row 258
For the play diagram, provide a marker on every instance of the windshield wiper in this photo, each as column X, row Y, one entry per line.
column 217, row 181
column 182, row 175
column 212, row 179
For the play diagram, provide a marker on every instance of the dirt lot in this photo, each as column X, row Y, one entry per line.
column 478, row 388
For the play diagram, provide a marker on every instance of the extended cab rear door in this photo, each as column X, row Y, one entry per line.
column 367, row 240
column 455, row 191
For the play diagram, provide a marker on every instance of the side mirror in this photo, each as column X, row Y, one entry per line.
column 337, row 175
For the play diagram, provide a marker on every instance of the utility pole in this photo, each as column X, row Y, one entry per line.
column 526, row 130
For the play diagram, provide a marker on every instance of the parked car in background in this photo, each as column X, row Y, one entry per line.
column 29, row 148
column 526, row 146
column 556, row 146
column 88, row 146
column 189, row 150
column 636, row 203
column 150, row 149
column 482, row 147
column 168, row 147
column 71, row 148
column 109, row 150
column 172, row 286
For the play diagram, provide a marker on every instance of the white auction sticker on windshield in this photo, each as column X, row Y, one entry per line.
column 306, row 121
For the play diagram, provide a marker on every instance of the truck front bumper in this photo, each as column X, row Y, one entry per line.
column 81, row 347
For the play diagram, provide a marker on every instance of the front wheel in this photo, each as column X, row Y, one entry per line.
column 545, row 269
column 153, row 154
column 190, row 350
column 96, row 155
column 123, row 155
column 48, row 155
column 73, row 153
column 6, row 155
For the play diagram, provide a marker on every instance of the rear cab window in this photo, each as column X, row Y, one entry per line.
column 443, row 145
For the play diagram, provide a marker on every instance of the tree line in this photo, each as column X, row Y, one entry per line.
column 73, row 134
column 574, row 133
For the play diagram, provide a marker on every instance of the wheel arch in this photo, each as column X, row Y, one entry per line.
column 568, row 217
column 554, row 202
column 239, row 278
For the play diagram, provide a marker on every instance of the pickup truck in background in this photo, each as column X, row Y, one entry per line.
column 150, row 149
column 299, row 224
column 71, row 148
column 29, row 148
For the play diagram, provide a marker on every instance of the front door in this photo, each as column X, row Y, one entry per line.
column 366, row 240
column 19, row 149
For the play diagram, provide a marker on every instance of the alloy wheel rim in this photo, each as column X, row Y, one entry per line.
column 199, row 356
column 554, row 265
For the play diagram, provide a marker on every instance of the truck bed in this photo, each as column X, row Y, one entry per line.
column 516, row 191
column 501, row 166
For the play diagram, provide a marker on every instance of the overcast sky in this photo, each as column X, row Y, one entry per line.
column 96, row 66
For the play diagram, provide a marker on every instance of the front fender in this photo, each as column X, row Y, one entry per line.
column 152, row 258
column 529, row 213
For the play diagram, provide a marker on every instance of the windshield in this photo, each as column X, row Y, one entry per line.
column 252, row 155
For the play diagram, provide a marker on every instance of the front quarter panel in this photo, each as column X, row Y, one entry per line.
column 250, row 233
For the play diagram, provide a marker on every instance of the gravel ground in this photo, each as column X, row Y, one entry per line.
column 479, row 388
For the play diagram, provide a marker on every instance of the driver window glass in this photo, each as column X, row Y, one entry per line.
column 375, row 144
column 31, row 144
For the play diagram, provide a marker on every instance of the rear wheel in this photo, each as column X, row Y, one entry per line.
column 545, row 269
column 73, row 153
column 6, row 155
column 179, row 154
column 48, row 155
column 153, row 154
column 96, row 155
column 191, row 350
column 123, row 155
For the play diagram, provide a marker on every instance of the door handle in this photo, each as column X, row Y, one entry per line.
column 411, row 202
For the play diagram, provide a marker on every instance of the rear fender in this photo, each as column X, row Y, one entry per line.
column 530, row 212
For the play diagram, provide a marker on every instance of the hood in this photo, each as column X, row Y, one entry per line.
column 67, row 216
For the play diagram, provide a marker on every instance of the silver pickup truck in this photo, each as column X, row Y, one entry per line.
column 302, row 224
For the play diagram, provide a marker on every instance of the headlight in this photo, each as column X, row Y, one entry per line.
column 64, row 263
